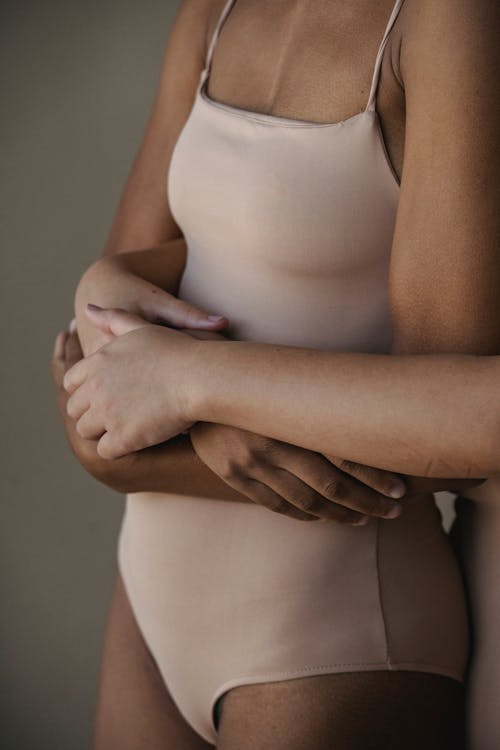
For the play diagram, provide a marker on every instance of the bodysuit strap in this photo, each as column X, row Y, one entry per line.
column 225, row 12
column 378, row 60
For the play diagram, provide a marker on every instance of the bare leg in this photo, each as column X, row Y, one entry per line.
column 358, row 711
column 134, row 709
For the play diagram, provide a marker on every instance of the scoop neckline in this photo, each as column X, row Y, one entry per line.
column 267, row 119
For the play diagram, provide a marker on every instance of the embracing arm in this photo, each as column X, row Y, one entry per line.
column 429, row 416
column 260, row 401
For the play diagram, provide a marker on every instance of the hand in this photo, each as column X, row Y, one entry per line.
column 129, row 394
column 299, row 483
column 108, row 283
column 119, row 474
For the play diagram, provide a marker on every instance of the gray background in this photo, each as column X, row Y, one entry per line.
column 78, row 80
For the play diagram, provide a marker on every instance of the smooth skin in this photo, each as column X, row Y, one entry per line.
column 128, row 280
column 150, row 383
column 462, row 322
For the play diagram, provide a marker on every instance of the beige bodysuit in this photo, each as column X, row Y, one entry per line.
column 289, row 226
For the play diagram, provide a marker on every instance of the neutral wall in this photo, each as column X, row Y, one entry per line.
column 77, row 83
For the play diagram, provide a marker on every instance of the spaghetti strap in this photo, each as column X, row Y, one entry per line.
column 378, row 60
column 225, row 12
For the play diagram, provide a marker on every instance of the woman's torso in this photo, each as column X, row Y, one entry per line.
column 283, row 184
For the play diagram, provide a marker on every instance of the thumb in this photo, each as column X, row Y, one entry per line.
column 165, row 308
column 114, row 320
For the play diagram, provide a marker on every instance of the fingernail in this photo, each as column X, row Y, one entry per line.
column 72, row 325
column 394, row 512
column 397, row 490
column 362, row 521
column 90, row 306
column 215, row 318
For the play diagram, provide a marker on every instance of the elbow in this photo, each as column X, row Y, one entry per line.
column 88, row 284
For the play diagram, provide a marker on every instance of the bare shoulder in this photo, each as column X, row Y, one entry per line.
column 192, row 23
column 444, row 265
column 143, row 218
column 454, row 41
column 198, row 19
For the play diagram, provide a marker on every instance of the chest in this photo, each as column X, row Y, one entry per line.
column 311, row 61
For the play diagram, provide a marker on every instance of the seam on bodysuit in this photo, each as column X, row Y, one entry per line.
column 388, row 656
column 279, row 121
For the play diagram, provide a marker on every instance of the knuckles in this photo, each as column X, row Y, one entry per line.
column 310, row 503
column 335, row 489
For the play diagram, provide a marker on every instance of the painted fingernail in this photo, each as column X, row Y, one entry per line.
column 394, row 512
column 397, row 490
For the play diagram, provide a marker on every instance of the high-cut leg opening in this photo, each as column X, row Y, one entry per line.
column 216, row 702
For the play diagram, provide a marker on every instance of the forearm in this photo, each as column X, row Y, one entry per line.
column 161, row 265
column 172, row 467
column 429, row 415
column 112, row 281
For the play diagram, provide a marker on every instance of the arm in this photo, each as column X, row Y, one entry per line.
column 236, row 465
column 372, row 409
column 150, row 470
column 445, row 271
column 143, row 220
column 427, row 415
column 442, row 292
column 424, row 415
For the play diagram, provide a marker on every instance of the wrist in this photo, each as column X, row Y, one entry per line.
column 197, row 380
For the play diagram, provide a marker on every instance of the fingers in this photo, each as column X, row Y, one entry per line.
column 113, row 320
column 176, row 312
column 89, row 425
column 261, row 494
column 75, row 376
column 346, row 491
column 308, row 500
column 72, row 350
column 57, row 360
column 77, row 404
column 336, row 486
column 59, row 343
column 380, row 480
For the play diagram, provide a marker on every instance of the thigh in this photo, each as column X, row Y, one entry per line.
column 134, row 708
column 365, row 711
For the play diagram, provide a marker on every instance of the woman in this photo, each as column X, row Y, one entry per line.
column 267, row 603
